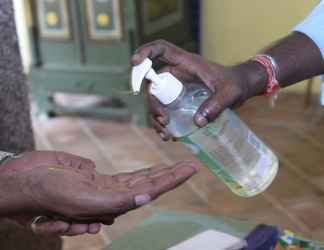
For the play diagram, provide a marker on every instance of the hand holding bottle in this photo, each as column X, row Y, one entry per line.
column 226, row 146
column 230, row 86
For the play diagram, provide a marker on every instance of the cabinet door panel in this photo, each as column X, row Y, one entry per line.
column 57, row 39
column 105, row 38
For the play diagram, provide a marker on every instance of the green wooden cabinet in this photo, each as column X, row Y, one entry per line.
column 84, row 46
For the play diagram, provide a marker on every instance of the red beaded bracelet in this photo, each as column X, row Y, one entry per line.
column 271, row 67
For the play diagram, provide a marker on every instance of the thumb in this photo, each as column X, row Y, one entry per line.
column 46, row 226
column 210, row 109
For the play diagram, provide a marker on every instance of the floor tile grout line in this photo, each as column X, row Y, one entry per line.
column 88, row 132
column 303, row 177
column 43, row 138
column 260, row 121
column 301, row 132
column 299, row 172
column 278, row 205
column 281, row 208
column 96, row 141
column 166, row 159
column 93, row 248
column 105, row 237
column 313, row 141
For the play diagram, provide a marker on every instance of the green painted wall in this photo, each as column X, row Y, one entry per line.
column 234, row 30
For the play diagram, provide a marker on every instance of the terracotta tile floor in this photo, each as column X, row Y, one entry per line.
column 295, row 200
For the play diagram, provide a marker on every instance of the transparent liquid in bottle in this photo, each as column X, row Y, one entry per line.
column 226, row 146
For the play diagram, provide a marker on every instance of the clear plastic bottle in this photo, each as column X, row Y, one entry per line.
column 226, row 146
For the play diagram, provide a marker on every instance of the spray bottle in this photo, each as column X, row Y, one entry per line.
column 226, row 146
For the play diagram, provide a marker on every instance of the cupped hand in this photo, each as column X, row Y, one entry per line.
column 69, row 192
column 228, row 84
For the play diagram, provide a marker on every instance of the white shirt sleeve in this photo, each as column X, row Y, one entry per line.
column 313, row 26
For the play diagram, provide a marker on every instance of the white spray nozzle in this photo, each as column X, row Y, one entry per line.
column 139, row 73
column 164, row 86
column 153, row 77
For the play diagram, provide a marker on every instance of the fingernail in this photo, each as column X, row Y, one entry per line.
column 141, row 200
column 135, row 58
column 38, row 220
column 94, row 228
column 161, row 120
column 162, row 135
column 201, row 120
column 195, row 166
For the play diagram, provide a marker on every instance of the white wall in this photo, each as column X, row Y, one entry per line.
column 234, row 30
column 20, row 7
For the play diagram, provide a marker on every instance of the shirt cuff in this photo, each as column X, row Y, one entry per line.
column 313, row 26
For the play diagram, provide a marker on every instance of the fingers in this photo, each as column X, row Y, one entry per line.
column 181, row 72
column 166, row 180
column 126, row 177
column 141, row 192
column 156, row 109
column 45, row 226
column 96, row 202
column 159, row 49
column 161, row 130
column 94, row 228
column 75, row 161
column 78, row 229
column 149, row 174
column 159, row 116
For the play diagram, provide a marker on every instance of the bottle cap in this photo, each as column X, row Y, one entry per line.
column 165, row 87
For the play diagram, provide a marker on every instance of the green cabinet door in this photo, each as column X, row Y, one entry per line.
column 84, row 46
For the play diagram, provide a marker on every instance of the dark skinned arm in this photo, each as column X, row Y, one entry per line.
column 297, row 56
column 68, row 191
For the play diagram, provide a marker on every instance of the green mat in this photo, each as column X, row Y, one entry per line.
column 166, row 229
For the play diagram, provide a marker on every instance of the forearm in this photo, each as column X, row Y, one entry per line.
column 297, row 56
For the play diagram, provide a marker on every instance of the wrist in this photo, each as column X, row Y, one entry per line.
column 253, row 77
column 13, row 186
column 13, row 199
